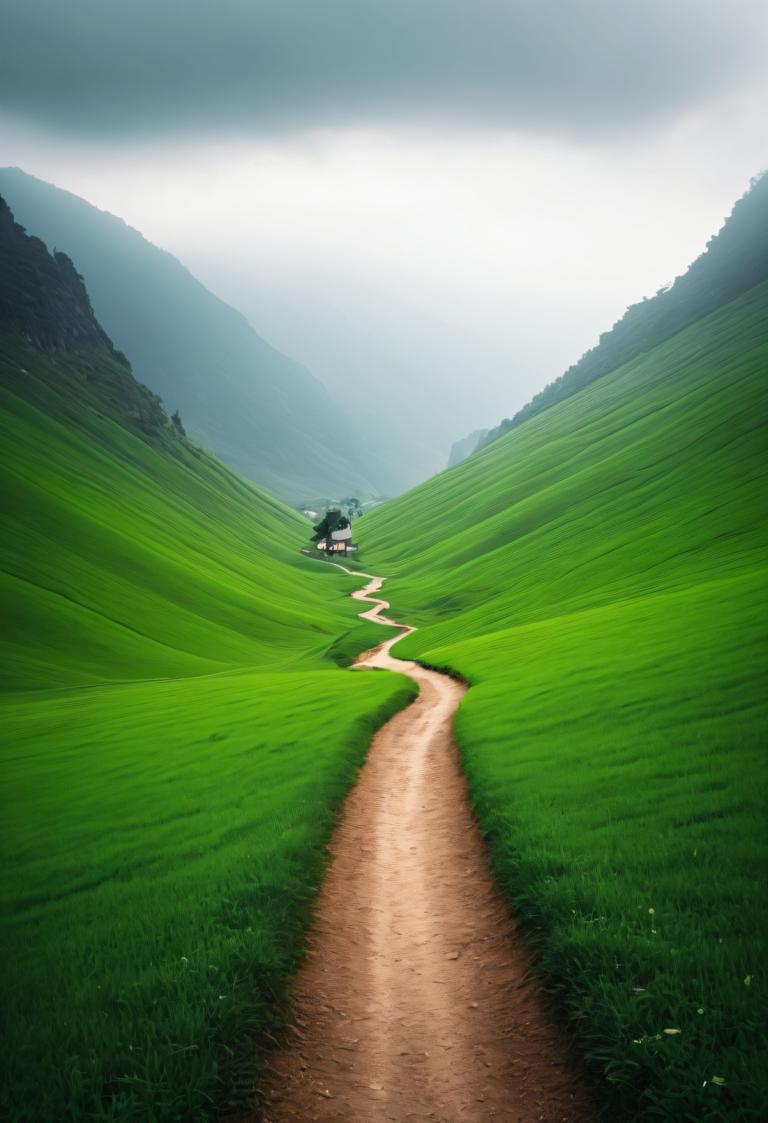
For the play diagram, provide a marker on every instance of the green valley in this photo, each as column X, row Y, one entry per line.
column 264, row 414
column 181, row 726
column 178, row 735
column 598, row 577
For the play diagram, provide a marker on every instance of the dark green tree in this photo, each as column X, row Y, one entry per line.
column 332, row 520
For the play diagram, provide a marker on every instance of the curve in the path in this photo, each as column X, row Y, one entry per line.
column 416, row 999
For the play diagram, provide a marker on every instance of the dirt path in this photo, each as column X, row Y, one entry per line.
column 413, row 1002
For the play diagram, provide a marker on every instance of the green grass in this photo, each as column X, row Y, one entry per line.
column 167, row 840
column 361, row 637
column 176, row 742
column 120, row 562
column 598, row 576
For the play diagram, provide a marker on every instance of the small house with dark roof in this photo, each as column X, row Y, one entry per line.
column 338, row 542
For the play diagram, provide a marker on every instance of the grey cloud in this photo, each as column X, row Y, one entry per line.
column 140, row 67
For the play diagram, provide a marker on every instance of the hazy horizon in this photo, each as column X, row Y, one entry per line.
column 435, row 245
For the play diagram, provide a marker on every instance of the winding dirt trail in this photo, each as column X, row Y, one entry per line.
column 414, row 1002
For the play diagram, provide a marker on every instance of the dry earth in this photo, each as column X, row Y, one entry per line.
column 416, row 1000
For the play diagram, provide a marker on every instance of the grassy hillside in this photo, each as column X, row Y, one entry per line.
column 598, row 575
column 122, row 562
column 177, row 734
column 177, row 737
column 734, row 261
column 265, row 415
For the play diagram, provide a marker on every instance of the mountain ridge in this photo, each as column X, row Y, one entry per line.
column 178, row 735
column 733, row 261
column 45, row 307
column 43, row 293
column 263, row 413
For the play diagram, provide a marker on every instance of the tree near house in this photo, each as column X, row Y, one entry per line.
column 332, row 520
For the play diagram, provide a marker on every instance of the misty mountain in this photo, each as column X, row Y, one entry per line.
column 261, row 412
column 460, row 450
column 42, row 295
column 735, row 260
column 44, row 308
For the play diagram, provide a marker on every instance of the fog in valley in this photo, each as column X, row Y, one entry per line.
column 436, row 233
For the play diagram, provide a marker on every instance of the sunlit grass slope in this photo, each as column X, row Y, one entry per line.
column 598, row 575
column 123, row 562
column 163, row 842
column 176, row 739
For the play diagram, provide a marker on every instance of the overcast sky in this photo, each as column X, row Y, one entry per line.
column 448, row 199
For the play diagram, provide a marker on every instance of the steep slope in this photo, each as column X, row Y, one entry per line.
column 44, row 306
column 177, row 735
column 734, row 261
column 598, row 575
column 262, row 413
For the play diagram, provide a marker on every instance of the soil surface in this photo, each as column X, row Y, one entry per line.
column 416, row 1000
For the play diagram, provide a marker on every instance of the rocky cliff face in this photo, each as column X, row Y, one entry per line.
column 46, row 314
column 42, row 295
column 260, row 411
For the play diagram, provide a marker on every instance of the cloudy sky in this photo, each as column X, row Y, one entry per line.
column 436, row 205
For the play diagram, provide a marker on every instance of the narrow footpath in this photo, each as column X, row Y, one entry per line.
column 416, row 999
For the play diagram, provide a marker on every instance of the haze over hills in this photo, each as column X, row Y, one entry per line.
column 44, row 304
column 460, row 450
column 177, row 733
column 264, row 414
column 598, row 575
column 231, row 894
column 734, row 260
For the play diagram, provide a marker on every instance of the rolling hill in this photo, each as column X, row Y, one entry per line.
column 734, row 260
column 598, row 575
column 177, row 733
column 261, row 412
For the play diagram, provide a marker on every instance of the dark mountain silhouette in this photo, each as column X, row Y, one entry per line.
column 260, row 411
column 42, row 294
column 45, row 310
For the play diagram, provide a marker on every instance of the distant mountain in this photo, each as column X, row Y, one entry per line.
column 734, row 261
column 260, row 411
column 460, row 450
